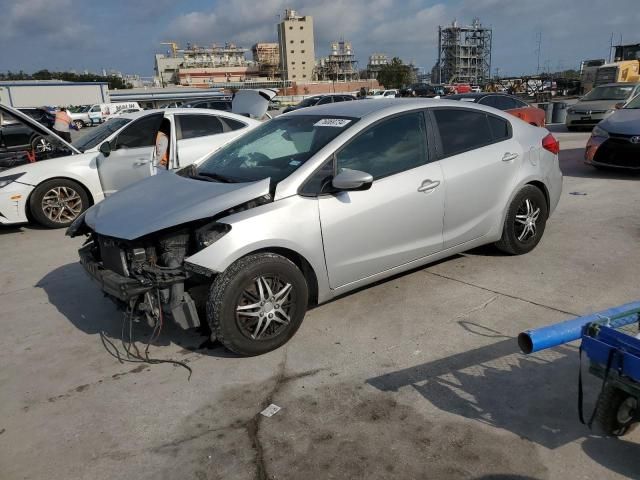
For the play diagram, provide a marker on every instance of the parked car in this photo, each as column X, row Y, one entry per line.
column 80, row 117
column 42, row 115
column 319, row 100
column 599, row 103
column 423, row 90
column 25, row 140
column 316, row 203
column 384, row 94
column 117, row 154
column 507, row 103
column 125, row 111
column 222, row 104
column 615, row 141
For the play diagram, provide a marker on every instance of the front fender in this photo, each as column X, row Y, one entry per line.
column 292, row 223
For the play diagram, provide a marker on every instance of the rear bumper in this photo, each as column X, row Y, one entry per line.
column 113, row 284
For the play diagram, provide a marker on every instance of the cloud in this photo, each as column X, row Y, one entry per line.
column 123, row 34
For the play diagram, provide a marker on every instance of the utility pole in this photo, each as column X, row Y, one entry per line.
column 538, row 49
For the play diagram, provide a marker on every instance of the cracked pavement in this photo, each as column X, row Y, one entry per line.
column 415, row 377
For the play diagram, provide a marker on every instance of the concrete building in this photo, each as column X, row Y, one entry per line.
column 376, row 62
column 202, row 66
column 296, row 41
column 267, row 56
column 38, row 93
column 464, row 54
column 340, row 65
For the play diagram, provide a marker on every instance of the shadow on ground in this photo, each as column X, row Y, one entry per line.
column 80, row 300
column 532, row 396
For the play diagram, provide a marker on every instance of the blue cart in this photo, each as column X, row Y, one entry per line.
column 611, row 342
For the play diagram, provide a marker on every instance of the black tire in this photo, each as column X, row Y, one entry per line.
column 79, row 124
column 613, row 415
column 72, row 197
column 232, row 287
column 40, row 144
column 514, row 240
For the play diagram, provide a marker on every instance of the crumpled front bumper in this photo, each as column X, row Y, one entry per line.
column 113, row 284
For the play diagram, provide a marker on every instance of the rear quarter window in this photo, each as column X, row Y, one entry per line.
column 462, row 130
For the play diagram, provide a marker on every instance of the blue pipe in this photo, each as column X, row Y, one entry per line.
column 564, row 332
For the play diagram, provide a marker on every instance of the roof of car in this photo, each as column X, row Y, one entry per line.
column 619, row 84
column 363, row 108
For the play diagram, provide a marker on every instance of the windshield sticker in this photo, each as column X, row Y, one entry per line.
column 295, row 163
column 332, row 122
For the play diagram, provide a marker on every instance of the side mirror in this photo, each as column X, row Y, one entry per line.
column 105, row 149
column 348, row 180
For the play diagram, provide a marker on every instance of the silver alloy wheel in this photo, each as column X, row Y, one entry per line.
column 627, row 410
column 526, row 219
column 264, row 307
column 61, row 204
column 41, row 145
column 79, row 124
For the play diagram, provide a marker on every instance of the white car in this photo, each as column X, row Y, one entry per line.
column 56, row 182
column 384, row 94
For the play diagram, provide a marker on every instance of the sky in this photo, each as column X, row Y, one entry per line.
column 124, row 34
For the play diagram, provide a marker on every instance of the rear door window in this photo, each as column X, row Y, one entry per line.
column 324, row 101
column 505, row 103
column 490, row 101
column 462, row 130
column 194, row 126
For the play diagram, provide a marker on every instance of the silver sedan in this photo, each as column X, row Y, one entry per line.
column 316, row 203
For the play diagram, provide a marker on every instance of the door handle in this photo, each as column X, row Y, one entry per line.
column 428, row 185
column 507, row 157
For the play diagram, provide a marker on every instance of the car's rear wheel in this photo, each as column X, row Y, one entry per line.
column 257, row 304
column 79, row 124
column 525, row 221
column 57, row 203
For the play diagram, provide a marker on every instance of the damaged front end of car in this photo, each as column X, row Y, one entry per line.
column 149, row 277
column 147, row 272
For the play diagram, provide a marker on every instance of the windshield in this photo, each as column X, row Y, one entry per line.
column 275, row 149
column 608, row 93
column 634, row 103
column 101, row 133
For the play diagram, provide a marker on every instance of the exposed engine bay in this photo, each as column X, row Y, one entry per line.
column 149, row 278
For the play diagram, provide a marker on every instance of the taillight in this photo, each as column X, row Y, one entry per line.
column 551, row 144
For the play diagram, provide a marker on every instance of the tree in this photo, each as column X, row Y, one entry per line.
column 112, row 80
column 395, row 74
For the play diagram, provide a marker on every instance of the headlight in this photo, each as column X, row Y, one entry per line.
column 4, row 181
column 599, row 132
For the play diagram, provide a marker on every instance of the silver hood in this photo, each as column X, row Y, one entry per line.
column 624, row 122
column 166, row 200
column 598, row 105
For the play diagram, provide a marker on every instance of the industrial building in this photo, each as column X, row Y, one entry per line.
column 38, row 93
column 376, row 62
column 340, row 65
column 267, row 56
column 196, row 66
column 464, row 54
column 297, row 52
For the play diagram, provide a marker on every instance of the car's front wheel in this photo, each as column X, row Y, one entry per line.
column 57, row 203
column 40, row 144
column 525, row 221
column 79, row 124
column 257, row 304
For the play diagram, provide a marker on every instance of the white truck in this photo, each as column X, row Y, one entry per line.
column 95, row 114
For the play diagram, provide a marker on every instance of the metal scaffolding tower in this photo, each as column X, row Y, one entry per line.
column 464, row 53
column 340, row 65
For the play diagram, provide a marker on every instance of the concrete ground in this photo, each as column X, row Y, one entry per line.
column 416, row 377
